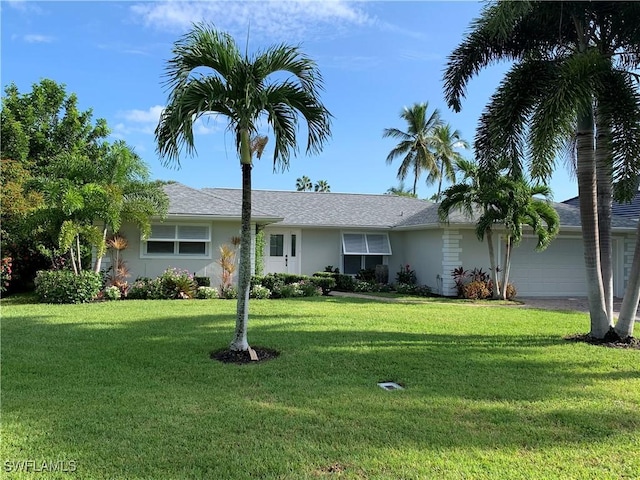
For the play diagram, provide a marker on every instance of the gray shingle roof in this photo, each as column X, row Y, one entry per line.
column 330, row 209
column 189, row 201
column 628, row 210
column 313, row 209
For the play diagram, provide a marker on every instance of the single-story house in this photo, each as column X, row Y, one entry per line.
column 307, row 231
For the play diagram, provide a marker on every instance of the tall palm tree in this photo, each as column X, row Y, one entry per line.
column 278, row 85
column 416, row 144
column 322, row 186
column 446, row 142
column 573, row 76
column 400, row 190
column 303, row 184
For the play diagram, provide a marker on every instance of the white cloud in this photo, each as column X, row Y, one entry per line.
column 37, row 38
column 145, row 122
column 151, row 115
column 414, row 55
column 24, row 6
column 276, row 20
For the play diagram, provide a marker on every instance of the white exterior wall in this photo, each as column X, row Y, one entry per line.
column 423, row 251
column 319, row 249
column 221, row 232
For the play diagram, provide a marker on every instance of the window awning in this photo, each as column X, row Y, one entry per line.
column 366, row 244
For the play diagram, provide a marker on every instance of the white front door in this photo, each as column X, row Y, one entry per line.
column 282, row 251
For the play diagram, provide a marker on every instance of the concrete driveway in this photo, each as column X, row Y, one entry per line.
column 579, row 304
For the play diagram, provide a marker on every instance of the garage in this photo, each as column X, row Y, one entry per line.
column 557, row 271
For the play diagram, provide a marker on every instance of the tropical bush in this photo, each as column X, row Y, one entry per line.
column 406, row 275
column 177, row 284
column 259, row 292
column 228, row 292
column 202, row 281
column 5, row 273
column 145, row 288
column 112, row 293
column 326, row 284
column 64, row 286
column 206, row 293
column 345, row 283
column 476, row 290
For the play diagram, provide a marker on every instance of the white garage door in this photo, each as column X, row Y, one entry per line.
column 557, row 271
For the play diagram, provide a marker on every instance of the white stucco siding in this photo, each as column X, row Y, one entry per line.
column 320, row 248
column 140, row 266
column 423, row 251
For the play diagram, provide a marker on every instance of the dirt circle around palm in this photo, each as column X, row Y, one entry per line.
column 610, row 340
column 244, row 357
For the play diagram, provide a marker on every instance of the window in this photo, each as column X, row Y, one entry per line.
column 364, row 251
column 354, row 263
column 276, row 245
column 183, row 240
column 366, row 244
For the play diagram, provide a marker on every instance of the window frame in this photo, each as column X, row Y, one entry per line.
column 177, row 240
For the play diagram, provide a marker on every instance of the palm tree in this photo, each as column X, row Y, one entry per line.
column 416, row 144
column 400, row 190
column 277, row 85
column 446, row 141
column 303, row 184
column 499, row 199
column 322, row 186
column 573, row 76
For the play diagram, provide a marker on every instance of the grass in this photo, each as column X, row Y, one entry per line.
column 126, row 390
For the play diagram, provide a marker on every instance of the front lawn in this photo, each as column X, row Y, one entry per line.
column 126, row 390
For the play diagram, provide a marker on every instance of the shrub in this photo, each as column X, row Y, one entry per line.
column 176, row 284
column 361, row 286
column 63, row 286
column 326, row 284
column 206, row 293
column 112, row 293
column 324, row 274
column 290, row 290
column 367, row 275
column 406, row 275
column 330, row 269
column 202, row 281
column 259, row 292
column 309, row 288
column 5, row 273
column 145, row 288
column 228, row 292
column 345, row 283
column 476, row 290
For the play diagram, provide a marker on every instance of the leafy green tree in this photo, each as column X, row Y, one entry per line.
column 303, row 184
column 322, row 186
column 416, row 145
column 574, row 77
column 37, row 127
column 446, row 143
column 279, row 85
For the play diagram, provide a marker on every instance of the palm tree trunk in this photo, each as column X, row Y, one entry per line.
column 440, row 181
column 626, row 319
column 244, row 272
column 492, row 264
column 79, row 253
column 587, row 193
column 98, row 265
column 505, row 268
column 605, row 201
column 415, row 179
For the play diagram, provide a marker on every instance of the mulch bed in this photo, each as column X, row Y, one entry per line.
column 231, row 356
column 610, row 340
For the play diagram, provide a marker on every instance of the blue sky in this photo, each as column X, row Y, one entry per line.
column 376, row 57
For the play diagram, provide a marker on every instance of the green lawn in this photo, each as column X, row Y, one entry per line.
column 126, row 390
